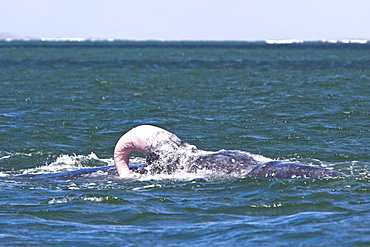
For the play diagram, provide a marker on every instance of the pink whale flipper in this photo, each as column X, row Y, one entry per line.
column 143, row 139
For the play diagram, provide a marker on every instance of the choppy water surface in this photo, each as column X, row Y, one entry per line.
column 63, row 106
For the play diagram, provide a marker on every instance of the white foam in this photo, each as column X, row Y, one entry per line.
column 76, row 39
column 59, row 200
column 179, row 175
column 5, row 157
column 284, row 41
column 259, row 158
column 67, row 162
column 3, row 175
column 358, row 41
column 346, row 41
column 330, row 41
column 64, row 39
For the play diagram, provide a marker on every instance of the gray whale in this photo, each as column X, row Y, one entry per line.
column 166, row 154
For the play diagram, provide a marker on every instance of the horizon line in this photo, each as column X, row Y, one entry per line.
column 268, row 41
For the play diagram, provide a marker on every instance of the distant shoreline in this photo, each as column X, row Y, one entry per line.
column 269, row 41
column 5, row 36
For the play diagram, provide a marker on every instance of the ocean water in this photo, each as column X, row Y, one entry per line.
column 64, row 105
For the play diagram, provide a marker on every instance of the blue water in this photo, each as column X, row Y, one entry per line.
column 64, row 105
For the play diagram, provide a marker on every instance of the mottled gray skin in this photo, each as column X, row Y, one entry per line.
column 241, row 164
column 171, row 154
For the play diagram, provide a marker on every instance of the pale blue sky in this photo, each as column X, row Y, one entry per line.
column 187, row 19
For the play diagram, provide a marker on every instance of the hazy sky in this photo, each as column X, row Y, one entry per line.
column 187, row 19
